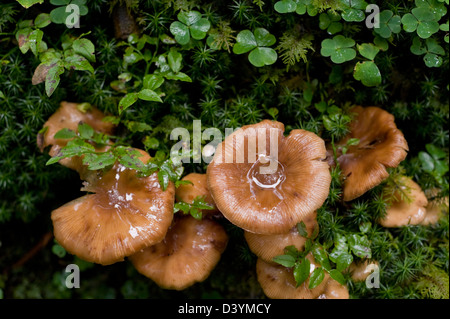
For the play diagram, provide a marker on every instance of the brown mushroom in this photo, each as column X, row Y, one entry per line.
column 265, row 182
column 267, row 247
column 360, row 271
column 435, row 208
column 381, row 145
column 334, row 290
column 278, row 282
column 68, row 116
column 199, row 188
column 189, row 252
column 124, row 214
column 408, row 206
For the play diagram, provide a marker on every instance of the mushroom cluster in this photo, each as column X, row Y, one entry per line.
column 125, row 215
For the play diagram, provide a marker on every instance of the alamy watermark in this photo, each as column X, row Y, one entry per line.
column 73, row 19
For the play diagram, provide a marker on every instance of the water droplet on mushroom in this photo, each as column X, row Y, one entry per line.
column 266, row 173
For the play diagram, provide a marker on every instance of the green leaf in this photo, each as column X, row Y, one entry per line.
column 163, row 178
column 359, row 245
column 85, row 131
column 285, row 260
column 65, row 133
column 435, row 151
column 337, row 275
column 180, row 32
column 285, row 6
column 321, row 256
column 302, row 271
column 52, row 78
column 368, row 73
column 343, row 261
column 128, row 100
column 262, row 56
column 96, row 161
column 368, row 50
column 35, row 39
column 180, row 76
column 59, row 15
column 199, row 29
column 339, row 49
column 389, row 23
column 174, row 58
column 149, row 95
column 85, row 48
column 316, row 277
column 22, row 37
column 152, row 81
column 189, row 18
column 28, row 3
column 42, row 20
column 245, row 41
column 301, row 228
column 78, row 62
column 427, row 162
column 264, row 38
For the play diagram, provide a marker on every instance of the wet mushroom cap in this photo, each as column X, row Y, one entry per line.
column 267, row 247
column 381, row 145
column 406, row 211
column 199, row 187
column 334, row 290
column 188, row 253
column 124, row 214
column 360, row 271
column 68, row 116
column 268, row 189
column 435, row 208
column 278, row 282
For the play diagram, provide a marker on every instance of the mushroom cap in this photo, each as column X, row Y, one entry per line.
column 124, row 214
column 267, row 247
column 435, row 208
column 268, row 189
column 406, row 212
column 188, row 192
column 381, row 145
column 278, row 282
column 188, row 253
column 334, row 290
column 360, row 271
column 69, row 115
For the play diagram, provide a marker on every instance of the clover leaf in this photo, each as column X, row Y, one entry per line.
column 60, row 15
column 389, row 23
column 421, row 20
column 285, row 6
column 339, row 49
column 298, row 6
column 432, row 51
column 438, row 8
column 189, row 24
column 330, row 22
column 353, row 10
column 257, row 43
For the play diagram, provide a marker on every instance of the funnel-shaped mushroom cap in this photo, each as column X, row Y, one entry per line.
column 188, row 253
column 334, row 290
column 267, row 247
column 125, row 214
column 381, row 145
column 69, row 115
column 408, row 208
column 265, row 182
column 278, row 282
column 435, row 208
column 199, row 187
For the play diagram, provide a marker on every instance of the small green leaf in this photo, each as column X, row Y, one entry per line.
column 85, row 48
column 301, row 228
column 264, row 38
column 199, row 29
column 245, row 41
column 174, row 59
column 337, row 275
column 85, row 131
column 78, row 62
column 152, row 81
column 96, row 161
column 368, row 73
column 321, row 257
column 52, row 79
column 368, row 50
column 189, row 18
column 285, row 6
column 163, row 178
column 285, row 260
column 65, row 133
column 302, row 271
column 128, row 100
column 343, row 261
column 316, row 277
column 359, row 245
column 180, row 32
column 435, row 151
column 42, row 20
column 149, row 95
column 262, row 56
column 427, row 162
column 35, row 39
column 28, row 3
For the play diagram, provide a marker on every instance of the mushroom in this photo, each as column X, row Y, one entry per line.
column 360, row 271
column 381, row 145
column 408, row 206
column 69, row 115
column 199, row 187
column 124, row 214
column 267, row 247
column 266, row 183
column 189, row 252
column 334, row 290
column 435, row 208
column 278, row 282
